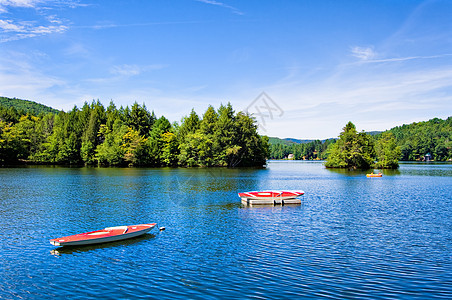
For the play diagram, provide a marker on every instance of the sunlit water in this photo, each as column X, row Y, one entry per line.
column 352, row 236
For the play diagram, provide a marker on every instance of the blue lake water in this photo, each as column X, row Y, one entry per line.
column 352, row 237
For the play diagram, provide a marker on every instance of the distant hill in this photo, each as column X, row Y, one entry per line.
column 26, row 106
column 419, row 139
column 374, row 132
column 275, row 141
column 289, row 141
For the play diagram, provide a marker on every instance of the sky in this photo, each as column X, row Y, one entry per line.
column 303, row 68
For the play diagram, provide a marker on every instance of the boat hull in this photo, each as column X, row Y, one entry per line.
column 109, row 234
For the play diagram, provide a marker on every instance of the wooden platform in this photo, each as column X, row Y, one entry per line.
column 248, row 201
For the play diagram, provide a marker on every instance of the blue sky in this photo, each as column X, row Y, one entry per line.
column 320, row 63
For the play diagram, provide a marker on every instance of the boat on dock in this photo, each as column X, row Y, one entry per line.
column 271, row 197
column 109, row 234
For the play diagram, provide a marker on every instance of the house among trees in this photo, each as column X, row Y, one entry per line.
column 427, row 157
column 290, row 156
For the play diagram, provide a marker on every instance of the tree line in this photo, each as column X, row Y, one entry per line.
column 417, row 142
column 314, row 150
column 108, row 136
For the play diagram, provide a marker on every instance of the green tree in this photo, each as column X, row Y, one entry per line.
column 352, row 150
column 189, row 125
column 29, row 136
column 250, row 148
column 90, row 138
column 388, row 153
column 140, row 119
column 10, row 145
column 224, row 133
column 111, row 151
column 170, row 149
column 156, row 141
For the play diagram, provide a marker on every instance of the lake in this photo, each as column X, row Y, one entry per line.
column 352, row 237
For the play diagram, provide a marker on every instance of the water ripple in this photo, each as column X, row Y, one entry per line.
column 350, row 238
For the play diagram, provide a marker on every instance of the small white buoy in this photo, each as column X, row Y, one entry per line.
column 162, row 228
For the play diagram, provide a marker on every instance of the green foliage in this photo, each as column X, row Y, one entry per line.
column 412, row 142
column 352, row 150
column 134, row 136
column 388, row 153
column 111, row 152
column 140, row 119
column 10, row 143
column 355, row 150
column 432, row 137
column 221, row 138
column 131, row 136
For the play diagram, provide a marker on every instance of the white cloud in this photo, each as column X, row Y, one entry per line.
column 38, row 4
column 126, row 70
column 7, row 25
column 19, row 3
column 374, row 94
column 363, row 53
column 20, row 30
column 132, row 70
column 20, row 78
column 39, row 22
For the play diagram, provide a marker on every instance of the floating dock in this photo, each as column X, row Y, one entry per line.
column 275, row 201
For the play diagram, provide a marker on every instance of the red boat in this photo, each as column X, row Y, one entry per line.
column 270, row 195
column 109, row 234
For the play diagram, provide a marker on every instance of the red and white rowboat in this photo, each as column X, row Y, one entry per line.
column 109, row 234
column 270, row 195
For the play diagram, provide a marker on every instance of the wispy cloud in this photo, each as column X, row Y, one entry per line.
column 221, row 4
column 375, row 94
column 108, row 24
column 363, row 53
column 401, row 59
column 38, row 4
column 133, row 70
column 4, row 4
column 18, row 73
column 39, row 23
column 12, row 30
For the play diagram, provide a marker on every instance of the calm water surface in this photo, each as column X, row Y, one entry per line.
column 352, row 236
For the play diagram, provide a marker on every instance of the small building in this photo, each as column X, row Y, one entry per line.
column 290, row 156
column 427, row 157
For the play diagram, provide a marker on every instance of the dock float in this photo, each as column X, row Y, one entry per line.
column 248, row 201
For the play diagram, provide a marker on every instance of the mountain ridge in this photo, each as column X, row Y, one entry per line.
column 26, row 106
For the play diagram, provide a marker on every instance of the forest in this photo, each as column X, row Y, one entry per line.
column 433, row 138
column 95, row 135
column 417, row 141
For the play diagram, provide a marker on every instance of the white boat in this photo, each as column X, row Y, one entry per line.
column 271, row 197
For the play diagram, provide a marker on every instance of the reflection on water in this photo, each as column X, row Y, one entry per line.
column 347, row 172
column 80, row 249
column 351, row 236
